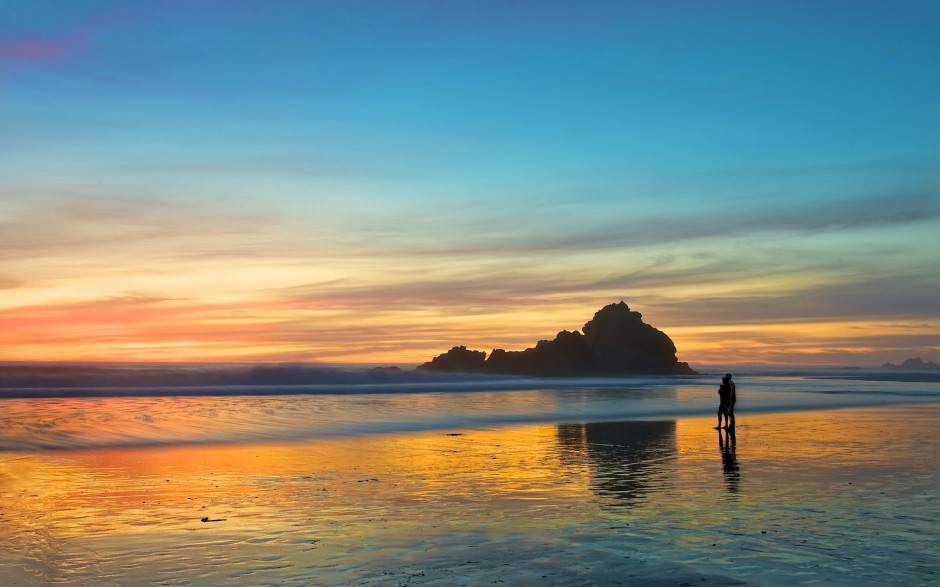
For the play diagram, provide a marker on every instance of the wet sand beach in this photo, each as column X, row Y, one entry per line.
column 844, row 496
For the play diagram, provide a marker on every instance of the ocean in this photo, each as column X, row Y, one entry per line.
column 344, row 403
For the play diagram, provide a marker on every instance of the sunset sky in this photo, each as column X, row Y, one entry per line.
column 377, row 181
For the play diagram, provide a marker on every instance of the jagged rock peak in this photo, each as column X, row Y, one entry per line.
column 622, row 342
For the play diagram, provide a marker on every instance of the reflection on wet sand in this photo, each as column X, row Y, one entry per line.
column 626, row 460
column 852, row 496
column 727, row 443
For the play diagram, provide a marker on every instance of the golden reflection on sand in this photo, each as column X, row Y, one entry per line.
column 850, row 437
column 117, row 490
column 371, row 506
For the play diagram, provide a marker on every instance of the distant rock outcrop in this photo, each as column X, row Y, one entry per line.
column 615, row 342
column 458, row 359
column 915, row 364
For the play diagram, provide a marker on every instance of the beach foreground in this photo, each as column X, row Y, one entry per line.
column 846, row 496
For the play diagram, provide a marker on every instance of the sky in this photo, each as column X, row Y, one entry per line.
column 375, row 181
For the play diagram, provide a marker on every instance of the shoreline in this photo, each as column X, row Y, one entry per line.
column 489, row 425
column 195, row 419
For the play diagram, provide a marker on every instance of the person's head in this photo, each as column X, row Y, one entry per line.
column 724, row 379
column 728, row 376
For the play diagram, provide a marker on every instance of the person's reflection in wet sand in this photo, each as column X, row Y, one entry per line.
column 729, row 461
column 627, row 460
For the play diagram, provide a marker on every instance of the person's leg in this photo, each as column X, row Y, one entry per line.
column 729, row 416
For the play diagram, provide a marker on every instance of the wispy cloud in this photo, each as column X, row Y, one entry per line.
column 83, row 225
column 859, row 298
column 805, row 343
column 564, row 233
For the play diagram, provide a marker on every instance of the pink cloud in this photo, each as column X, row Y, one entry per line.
column 99, row 22
column 35, row 50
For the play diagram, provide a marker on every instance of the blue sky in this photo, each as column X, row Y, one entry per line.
column 367, row 180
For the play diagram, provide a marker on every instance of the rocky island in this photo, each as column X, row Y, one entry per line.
column 615, row 342
column 915, row 364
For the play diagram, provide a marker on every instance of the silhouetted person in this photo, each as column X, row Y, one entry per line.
column 734, row 398
column 724, row 402
column 729, row 461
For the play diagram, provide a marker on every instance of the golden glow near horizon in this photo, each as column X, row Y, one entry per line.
column 292, row 318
